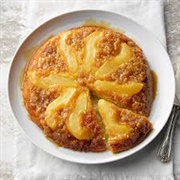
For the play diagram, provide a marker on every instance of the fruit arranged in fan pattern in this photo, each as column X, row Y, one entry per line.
column 90, row 86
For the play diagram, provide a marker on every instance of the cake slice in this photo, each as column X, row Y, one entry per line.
column 124, row 128
column 71, row 121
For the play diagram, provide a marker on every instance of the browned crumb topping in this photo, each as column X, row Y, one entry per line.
column 140, row 127
column 48, row 60
column 63, row 138
column 76, row 39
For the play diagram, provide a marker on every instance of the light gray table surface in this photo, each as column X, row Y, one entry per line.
column 11, row 22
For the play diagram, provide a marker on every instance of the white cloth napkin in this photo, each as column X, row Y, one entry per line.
column 31, row 163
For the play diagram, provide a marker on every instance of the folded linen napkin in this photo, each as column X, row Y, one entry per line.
column 31, row 163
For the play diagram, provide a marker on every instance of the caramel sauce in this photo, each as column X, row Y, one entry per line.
column 93, row 22
column 155, row 81
column 27, row 56
column 122, row 31
column 28, row 53
column 21, row 75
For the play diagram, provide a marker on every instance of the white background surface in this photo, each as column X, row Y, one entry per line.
column 12, row 22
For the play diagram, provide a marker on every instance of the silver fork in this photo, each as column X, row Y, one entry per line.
column 165, row 149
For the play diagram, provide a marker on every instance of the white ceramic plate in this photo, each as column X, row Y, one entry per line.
column 156, row 55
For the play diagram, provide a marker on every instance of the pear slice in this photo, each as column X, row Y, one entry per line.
column 113, row 64
column 117, row 89
column 70, row 54
column 56, row 105
column 125, row 129
column 108, row 114
column 90, row 49
column 52, row 80
column 74, row 121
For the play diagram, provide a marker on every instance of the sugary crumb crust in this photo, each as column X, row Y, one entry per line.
column 48, row 60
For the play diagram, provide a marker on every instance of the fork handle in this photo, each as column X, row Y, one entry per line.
column 165, row 149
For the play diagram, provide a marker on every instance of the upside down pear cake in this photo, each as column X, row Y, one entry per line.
column 90, row 89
